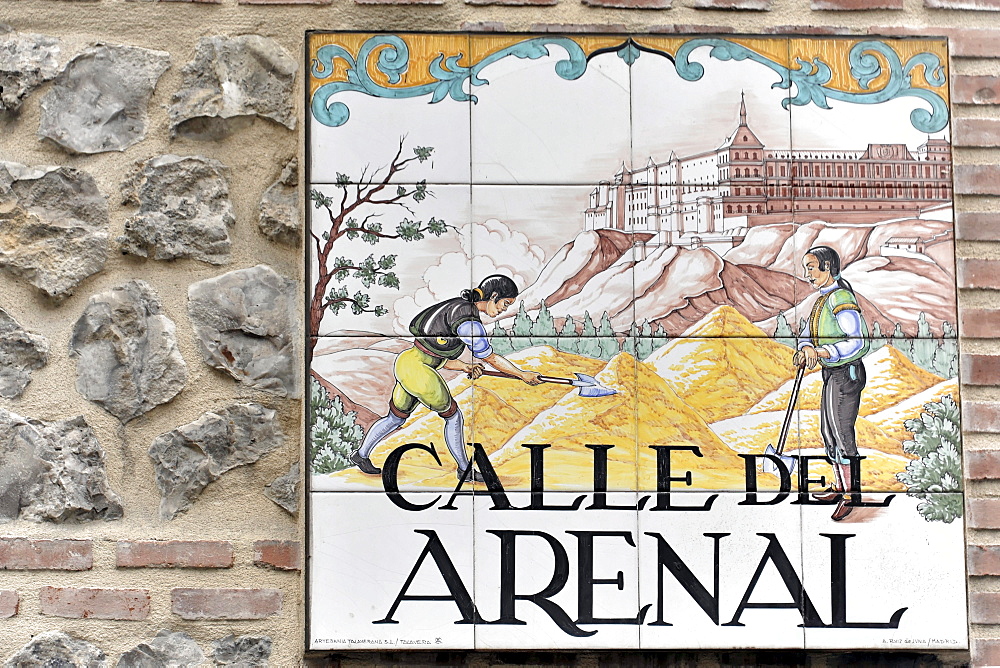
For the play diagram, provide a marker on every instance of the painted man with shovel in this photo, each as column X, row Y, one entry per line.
column 837, row 339
column 443, row 332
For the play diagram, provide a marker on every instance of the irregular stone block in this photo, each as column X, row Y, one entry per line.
column 184, row 210
column 246, row 322
column 244, row 651
column 98, row 102
column 284, row 490
column 27, row 60
column 167, row 650
column 50, row 649
column 53, row 471
column 126, row 350
column 21, row 352
column 230, row 80
column 191, row 456
column 53, row 226
column 279, row 207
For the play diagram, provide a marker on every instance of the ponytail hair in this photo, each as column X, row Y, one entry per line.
column 492, row 288
column 829, row 260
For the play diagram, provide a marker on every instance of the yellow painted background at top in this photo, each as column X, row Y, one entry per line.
column 834, row 51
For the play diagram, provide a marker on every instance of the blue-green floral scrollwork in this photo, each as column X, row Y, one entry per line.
column 393, row 60
column 811, row 78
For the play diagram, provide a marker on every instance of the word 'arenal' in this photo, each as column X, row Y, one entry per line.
column 665, row 478
column 668, row 561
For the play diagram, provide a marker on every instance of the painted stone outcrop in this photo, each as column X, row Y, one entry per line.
column 126, row 350
column 184, row 210
column 98, row 102
column 188, row 458
column 231, row 80
column 53, row 226
column 167, row 650
column 243, row 651
column 53, row 471
column 55, row 648
column 246, row 324
column 279, row 207
column 21, row 352
column 283, row 490
column 27, row 60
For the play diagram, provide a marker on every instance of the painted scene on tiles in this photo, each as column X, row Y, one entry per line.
column 632, row 342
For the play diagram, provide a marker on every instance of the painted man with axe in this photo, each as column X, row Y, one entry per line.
column 837, row 339
column 443, row 332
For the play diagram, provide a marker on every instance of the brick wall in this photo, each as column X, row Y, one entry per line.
column 232, row 564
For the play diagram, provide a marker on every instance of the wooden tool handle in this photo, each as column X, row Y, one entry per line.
column 544, row 379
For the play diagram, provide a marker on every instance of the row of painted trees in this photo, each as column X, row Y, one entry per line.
column 598, row 340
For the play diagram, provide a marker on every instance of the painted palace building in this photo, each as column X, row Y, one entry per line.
column 714, row 196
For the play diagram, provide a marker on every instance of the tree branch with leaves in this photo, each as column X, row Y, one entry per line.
column 346, row 222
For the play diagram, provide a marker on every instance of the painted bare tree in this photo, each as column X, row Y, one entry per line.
column 371, row 191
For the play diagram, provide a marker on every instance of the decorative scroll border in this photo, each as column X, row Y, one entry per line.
column 869, row 60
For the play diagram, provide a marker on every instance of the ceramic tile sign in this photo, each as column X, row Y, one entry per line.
column 632, row 342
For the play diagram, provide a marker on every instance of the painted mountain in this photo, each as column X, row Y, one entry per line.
column 723, row 395
column 899, row 269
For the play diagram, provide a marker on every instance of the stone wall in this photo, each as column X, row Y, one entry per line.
column 148, row 309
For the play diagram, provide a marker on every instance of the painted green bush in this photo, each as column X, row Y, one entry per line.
column 937, row 441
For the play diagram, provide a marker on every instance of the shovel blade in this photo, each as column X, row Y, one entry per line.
column 583, row 380
column 596, row 391
column 770, row 467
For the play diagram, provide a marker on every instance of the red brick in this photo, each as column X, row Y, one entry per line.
column 975, row 5
column 976, row 132
column 482, row 26
column 399, row 2
column 576, row 28
column 9, row 601
column 511, row 2
column 808, row 30
column 854, row 5
column 280, row 554
column 968, row 89
column 630, row 4
column 971, row 42
column 985, row 652
column 751, row 5
column 977, row 225
column 88, row 603
column 977, row 179
column 982, row 417
column 984, row 607
column 175, row 554
column 980, row 369
column 283, row 2
column 983, row 559
column 225, row 603
column 981, row 274
column 983, row 513
column 39, row 554
column 982, row 464
column 692, row 29
column 980, row 323
column 962, row 42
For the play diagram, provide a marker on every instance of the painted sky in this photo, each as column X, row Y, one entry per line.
column 539, row 144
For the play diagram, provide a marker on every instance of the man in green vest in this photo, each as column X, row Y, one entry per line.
column 836, row 339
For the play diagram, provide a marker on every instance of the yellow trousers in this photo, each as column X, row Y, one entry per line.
column 417, row 380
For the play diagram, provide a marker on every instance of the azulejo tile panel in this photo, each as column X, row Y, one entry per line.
column 562, row 288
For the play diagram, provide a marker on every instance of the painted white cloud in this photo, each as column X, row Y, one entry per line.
column 497, row 250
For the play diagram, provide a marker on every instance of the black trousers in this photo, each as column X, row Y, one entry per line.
column 839, row 406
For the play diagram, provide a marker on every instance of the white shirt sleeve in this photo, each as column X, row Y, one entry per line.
column 473, row 335
column 849, row 321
